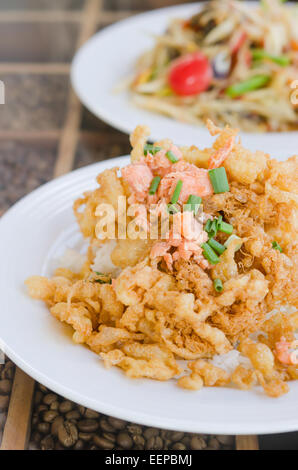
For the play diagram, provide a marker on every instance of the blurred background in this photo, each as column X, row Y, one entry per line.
column 45, row 132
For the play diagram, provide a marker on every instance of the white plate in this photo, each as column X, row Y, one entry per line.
column 36, row 230
column 110, row 56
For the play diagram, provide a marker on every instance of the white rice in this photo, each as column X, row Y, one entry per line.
column 230, row 361
column 102, row 262
column 74, row 260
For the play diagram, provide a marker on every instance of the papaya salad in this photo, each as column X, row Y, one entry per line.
column 232, row 62
column 210, row 297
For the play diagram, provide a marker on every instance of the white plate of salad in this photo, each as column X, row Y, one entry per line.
column 172, row 68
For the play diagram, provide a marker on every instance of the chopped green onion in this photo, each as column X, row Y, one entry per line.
column 173, row 209
column 177, row 192
column 254, row 83
column 172, row 157
column 208, row 225
column 150, row 148
column 259, row 54
column 218, row 285
column 230, row 239
column 225, row 228
column 210, row 254
column 107, row 279
column 218, row 247
column 276, row 246
column 154, row 185
column 219, row 180
column 193, row 203
column 218, row 221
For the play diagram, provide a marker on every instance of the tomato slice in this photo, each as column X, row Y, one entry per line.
column 191, row 74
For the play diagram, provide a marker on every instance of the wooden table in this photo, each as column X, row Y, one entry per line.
column 44, row 131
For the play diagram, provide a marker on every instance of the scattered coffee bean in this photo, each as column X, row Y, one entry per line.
column 102, row 443
column 49, row 416
column 117, row 423
column 73, row 415
column 88, row 425
column 197, row 443
column 49, row 398
column 90, row 414
column 66, row 406
column 67, row 434
column 58, row 421
column 43, row 428
column 150, row 432
column 47, row 443
column 124, row 440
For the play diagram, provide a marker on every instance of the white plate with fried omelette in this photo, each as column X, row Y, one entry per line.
column 34, row 232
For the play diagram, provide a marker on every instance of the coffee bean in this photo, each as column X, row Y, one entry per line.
column 179, row 446
column 5, row 387
column 226, row 440
column 73, row 415
column 175, row 436
column 49, row 416
column 4, row 402
column 85, row 436
column 81, row 410
column 109, row 436
column 47, row 443
column 90, row 414
column 134, row 429
column 43, row 428
column 58, row 421
column 124, row 440
column 88, row 425
column 151, row 432
column 79, row 445
column 54, row 406
column 154, row 443
column 66, row 406
column 139, row 441
column 105, row 425
column 214, row 443
column 197, row 443
column 103, row 443
column 49, row 398
column 67, row 434
column 117, row 423
column 41, row 408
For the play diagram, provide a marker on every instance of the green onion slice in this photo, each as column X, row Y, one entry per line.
column 219, row 180
column 225, row 228
column 193, row 203
column 260, row 54
column 218, row 247
column 150, row 148
column 177, row 192
column 276, row 246
column 218, row 285
column 172, row 157
column 253, row 83
column 154, row 185
column 210, row 254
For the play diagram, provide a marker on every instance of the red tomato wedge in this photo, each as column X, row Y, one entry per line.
column 191, row 74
